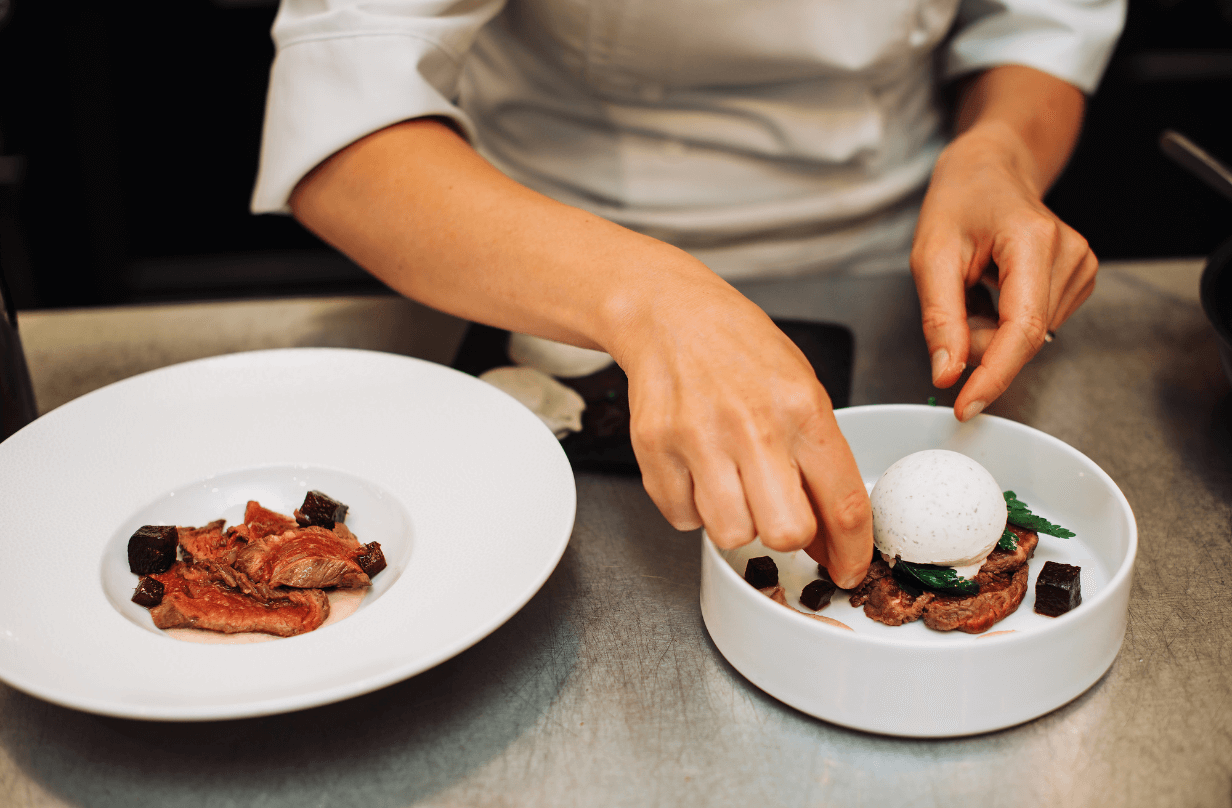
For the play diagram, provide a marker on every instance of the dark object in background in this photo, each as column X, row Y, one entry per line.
column 1215, row 291
column 817, row 595
column 320, row 510
column 1215, row 288
column 761, row 572
column 152, row 549
column 149, row 592
column 16, row 391
column 603, row 444
column 1058, row 588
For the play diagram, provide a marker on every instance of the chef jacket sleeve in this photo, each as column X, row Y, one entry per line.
column 346, row 68
column 1070, row 39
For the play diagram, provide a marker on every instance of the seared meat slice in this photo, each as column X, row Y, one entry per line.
column 264, row 522
column 1003, row 561
column 999, row 596
column 211, row 542
column 213, row 596
column 305, row 558
column 884, row 600
column 1002, row 580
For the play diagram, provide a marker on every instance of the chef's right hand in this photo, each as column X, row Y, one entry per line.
column 734, row 432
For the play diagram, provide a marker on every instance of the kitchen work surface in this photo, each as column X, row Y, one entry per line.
column 606, row 690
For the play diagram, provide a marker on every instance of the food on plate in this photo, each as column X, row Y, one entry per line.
column 938, row 507
column 152, row 549
column 763, row 575
column 215, row 597
column 266, row 575
column 320, row 510
column 817, row 595
column 149, row 592
column 555, row 358
column 1058, row 588
column 556, row 405
column 761, row 572
column 952, row 549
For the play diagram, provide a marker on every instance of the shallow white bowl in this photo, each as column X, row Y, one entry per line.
column 913, row 681
column 469, row 494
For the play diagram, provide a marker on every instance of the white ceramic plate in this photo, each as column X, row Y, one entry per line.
column 913, row 681
column 470, row 496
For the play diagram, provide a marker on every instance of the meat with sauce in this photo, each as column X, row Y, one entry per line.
column 1003, row 584
column 213, row 596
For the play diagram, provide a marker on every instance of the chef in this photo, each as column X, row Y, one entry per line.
column 596, row 171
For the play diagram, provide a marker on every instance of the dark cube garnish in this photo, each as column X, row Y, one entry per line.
column 320, row 510
column 762, row 572
column 149, row 592
column 371, row 560
column 1058, row 589
column 823, row 573
column 817, row 595
column 152, row 549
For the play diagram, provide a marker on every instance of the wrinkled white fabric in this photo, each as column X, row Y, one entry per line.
column 766, row 138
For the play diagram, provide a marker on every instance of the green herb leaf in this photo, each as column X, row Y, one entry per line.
column 1008, row 541
column 939, row 579
column 1021, row 516
column 932, row 401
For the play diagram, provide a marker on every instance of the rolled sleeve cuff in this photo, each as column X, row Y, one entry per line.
column 326, row 93
column 1071, row 40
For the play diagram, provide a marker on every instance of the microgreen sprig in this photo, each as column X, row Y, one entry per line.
column 1021, row 516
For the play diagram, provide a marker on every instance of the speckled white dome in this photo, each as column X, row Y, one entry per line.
column 938, row 507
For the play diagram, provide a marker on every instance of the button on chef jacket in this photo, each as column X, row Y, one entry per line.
column 766, row 137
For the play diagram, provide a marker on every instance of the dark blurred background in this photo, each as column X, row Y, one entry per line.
column 129, row 135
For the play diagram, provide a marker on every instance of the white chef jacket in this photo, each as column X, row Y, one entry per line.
column 766, row 137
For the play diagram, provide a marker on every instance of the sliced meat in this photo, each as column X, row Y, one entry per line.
column 264, row 522
column 1003, row 561
column 212, row 596
column 211, row 543
column 304, row 558
column 999, row 596
column 1002, row 580
column 885, row 601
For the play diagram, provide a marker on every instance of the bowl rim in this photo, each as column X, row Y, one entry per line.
column 1219, row 262
column 1106, row 592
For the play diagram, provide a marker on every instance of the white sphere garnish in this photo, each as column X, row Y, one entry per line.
column 555, row 358
column 557, row 406
column 938, row 507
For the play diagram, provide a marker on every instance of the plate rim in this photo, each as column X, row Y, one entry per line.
column 264, row 706
column 1115, row 581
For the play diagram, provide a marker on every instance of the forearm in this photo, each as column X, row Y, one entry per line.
column 417, row 207
column 1035, row 116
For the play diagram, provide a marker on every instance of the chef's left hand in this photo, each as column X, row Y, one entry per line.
column 983, row 214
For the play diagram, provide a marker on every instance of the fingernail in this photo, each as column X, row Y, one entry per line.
column 973, row 409
column 941, row 358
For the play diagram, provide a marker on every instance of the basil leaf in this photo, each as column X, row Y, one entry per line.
column 1020, row 516
column 1008, row 541
column 939, row 579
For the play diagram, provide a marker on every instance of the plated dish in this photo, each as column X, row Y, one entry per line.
column 910, row 680
column 446, row 472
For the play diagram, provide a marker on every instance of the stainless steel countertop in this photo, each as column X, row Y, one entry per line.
column 606, row 689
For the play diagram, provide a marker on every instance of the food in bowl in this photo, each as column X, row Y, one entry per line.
column 267, row 575
column 952, row 550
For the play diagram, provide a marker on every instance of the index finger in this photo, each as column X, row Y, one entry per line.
column 939, row 280
column 844, row 542
column 1026, row 272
